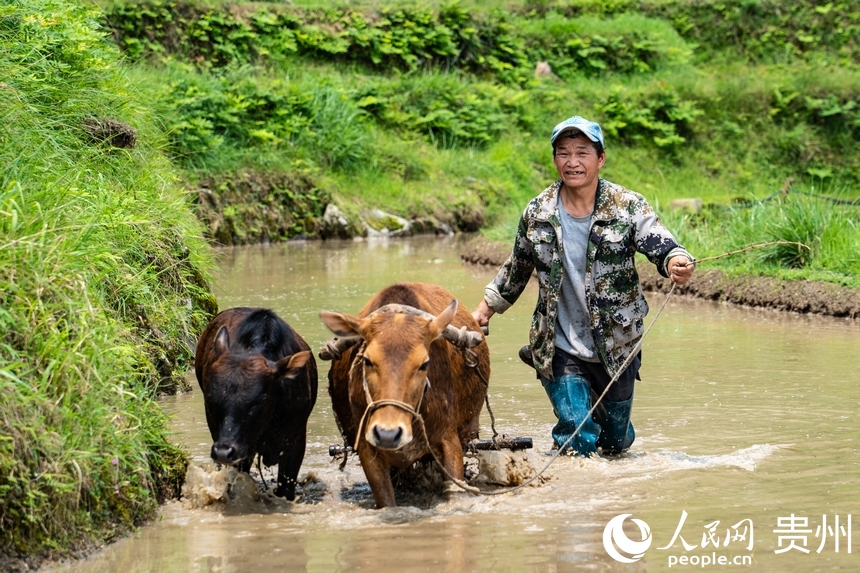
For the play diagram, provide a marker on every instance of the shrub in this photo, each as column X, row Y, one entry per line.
column 447, row 110
column 657, row 115
column 211, row 113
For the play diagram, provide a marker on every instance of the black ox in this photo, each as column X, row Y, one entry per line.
column 259, row 383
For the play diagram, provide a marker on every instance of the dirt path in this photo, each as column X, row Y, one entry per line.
column 764, row 292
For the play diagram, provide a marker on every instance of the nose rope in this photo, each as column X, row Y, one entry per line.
column 374, row 405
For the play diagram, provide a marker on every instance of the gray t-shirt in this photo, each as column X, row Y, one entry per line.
column 573, row 327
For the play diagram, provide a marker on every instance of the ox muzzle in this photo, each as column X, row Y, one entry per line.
column 228, row 453
column 389, row 432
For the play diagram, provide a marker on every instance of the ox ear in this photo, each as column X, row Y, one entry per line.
column 289, row 366
column 443, row 319
column 341, row 324
column 222, row 342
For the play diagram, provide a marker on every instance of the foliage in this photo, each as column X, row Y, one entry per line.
column 496, row 43
column 590, row 46
column 101, row 269
column 404, row 39
column 757, row 31
column 449, row 111
column 815, row 235
column 210, row 114
column 253, row 207
column 414, row 83
column 658, row 115
column 767, row 30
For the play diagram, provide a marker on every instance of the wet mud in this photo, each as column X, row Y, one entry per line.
column 814, row 297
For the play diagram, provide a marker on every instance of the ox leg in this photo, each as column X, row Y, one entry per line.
column 452, row 456
column 378, row 474
column 452, row 460
column 289, row 464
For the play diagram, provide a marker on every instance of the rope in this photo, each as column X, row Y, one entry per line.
column 786, row 189
column 751, row 247
column 373, row 405
column 472, row 361
column 618, row 373
column 624, row 366
column 260, row 470
column 854, row 203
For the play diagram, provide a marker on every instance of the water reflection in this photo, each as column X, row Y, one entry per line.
column 742, row 414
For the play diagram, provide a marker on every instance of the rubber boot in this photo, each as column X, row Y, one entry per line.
column 616, row 429
column 570, row 396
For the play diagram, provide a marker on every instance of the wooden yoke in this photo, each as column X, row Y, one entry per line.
column 459, row 337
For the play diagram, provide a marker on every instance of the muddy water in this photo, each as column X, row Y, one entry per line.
column 747, row 450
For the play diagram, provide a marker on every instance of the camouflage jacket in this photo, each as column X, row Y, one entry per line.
column 622, row 223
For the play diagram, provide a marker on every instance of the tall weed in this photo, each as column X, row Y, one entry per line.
column 103, row 288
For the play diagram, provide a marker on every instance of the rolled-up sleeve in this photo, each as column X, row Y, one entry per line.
column 512, row 278
column 654, row 240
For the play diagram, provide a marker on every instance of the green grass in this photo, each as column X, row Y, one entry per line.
column 103, row 288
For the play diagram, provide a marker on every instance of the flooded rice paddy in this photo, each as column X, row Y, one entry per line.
column 746, row 454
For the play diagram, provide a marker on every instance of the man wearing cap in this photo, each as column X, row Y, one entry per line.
column 580, row 235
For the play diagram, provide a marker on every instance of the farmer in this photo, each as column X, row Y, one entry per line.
column 580, row 235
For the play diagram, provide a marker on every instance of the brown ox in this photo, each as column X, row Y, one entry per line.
column 402, row 364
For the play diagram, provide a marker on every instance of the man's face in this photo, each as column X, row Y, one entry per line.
column 577, row 162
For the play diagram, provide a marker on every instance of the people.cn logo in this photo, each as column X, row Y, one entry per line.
column 619, row 546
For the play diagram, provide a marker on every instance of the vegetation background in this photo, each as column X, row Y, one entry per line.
column 436, row 110
column 255, row 117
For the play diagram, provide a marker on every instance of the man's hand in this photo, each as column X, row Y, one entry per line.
column 483, row 313
column 680, row 269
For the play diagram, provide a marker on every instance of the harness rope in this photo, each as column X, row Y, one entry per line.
column 460, row 483
column 626, row 363
column 471, row 360
column 414, row 412
column 618, row 373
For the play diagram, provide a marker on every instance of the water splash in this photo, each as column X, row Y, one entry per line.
column 206, row 486
column 644, row 465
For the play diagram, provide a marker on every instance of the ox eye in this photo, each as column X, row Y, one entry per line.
column 424, row 367
column 367, row 361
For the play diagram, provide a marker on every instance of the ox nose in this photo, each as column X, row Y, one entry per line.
column 224, row 453
column 388, row 439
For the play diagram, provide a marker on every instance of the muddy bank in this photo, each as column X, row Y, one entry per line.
column 764, row 292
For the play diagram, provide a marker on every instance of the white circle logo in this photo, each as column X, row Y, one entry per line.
column 619, row 546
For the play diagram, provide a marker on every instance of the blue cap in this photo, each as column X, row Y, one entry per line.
column 591, row 130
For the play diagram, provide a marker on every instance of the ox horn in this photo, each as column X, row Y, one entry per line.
column 335, row 347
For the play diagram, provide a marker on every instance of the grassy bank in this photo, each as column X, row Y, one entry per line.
column 435, row 110
column 103, row 287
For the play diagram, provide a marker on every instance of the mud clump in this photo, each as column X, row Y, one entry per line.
column 816, row 297
column 501, row 467
column 248, row 207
